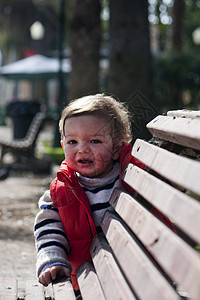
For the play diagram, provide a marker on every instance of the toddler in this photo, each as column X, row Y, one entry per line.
column 95, row 135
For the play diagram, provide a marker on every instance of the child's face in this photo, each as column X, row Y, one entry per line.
column 88, row 145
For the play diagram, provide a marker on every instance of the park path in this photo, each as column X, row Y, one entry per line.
column 19, row 195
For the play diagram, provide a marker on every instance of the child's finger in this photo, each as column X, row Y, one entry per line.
column 54, row 272
column 45, row 278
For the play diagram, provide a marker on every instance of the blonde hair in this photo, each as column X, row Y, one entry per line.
column 114, row 112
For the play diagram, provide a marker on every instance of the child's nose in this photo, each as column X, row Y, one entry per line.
column 84, row 148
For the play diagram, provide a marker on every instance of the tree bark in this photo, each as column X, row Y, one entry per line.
column 85, row 43
column 178, row 15
column 130, row 59
column 177, row 47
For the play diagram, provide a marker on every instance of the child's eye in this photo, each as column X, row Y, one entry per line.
column 71, row 142
column 95, row 141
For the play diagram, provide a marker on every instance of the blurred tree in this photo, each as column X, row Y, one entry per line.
column 177, row 67
column 192, row 23
column 177, row 47
column 85, row 43
column 130, row 72
column 130, row 58
column 16, row 18
column 178, row 25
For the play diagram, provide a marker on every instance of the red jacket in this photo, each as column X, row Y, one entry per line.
column 74, row 210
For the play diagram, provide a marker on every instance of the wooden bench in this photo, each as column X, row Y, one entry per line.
column 23, row 150
column 35, row 291
column 137, row 256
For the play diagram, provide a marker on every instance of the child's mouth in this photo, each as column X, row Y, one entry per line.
column 84, row 161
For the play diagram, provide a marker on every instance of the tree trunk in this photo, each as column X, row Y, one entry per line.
column 177, row 47
column 130, row 59
column 85, row 43
column 178, row 15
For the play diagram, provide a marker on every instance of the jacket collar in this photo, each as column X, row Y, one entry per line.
column 65, row 172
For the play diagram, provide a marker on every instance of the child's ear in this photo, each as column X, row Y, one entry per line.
column 117, row 149
column 61, row 142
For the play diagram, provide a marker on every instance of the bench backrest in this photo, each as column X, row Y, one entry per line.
column 29, row 141
column 139, row 257
column 35, row 127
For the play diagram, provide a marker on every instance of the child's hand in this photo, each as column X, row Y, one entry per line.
column 53, row 273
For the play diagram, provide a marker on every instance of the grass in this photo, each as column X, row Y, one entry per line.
column 56, row 154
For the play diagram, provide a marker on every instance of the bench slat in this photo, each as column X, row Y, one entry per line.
column 177, row 169
column 180, row 261
column 143, row 276
column 183, row 131
column 182, row 209
column 8, row 289
column 63, row 290
column 184, row 113
column 88, row 282
column 34, row 290
column 108, row 272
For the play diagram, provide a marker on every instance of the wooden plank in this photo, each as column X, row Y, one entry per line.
column 184, row 113
column 63, row 290
column 8, row 289
column 181, row 208
column 146, row 280
column 112, row 281
column 177, row 169
column 172, row 253
column 88, row 282
column 34, row 290
column 183, row 131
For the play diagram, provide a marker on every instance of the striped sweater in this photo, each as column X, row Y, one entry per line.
column 50, row 238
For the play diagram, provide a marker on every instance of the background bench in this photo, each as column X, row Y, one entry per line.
column 137, row 256
column 23, row 150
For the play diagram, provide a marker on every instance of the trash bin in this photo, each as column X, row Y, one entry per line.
column 22, row 113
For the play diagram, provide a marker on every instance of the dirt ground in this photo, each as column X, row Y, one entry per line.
column 19, row 197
